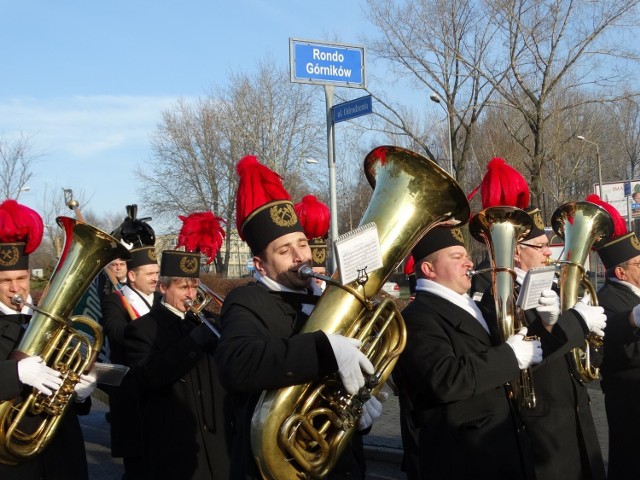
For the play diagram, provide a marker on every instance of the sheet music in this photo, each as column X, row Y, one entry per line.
column 110, row 373
column 536, row 280
column 358, row 251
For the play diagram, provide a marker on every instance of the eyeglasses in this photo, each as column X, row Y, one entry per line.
column 537, row 247
column 636, row 264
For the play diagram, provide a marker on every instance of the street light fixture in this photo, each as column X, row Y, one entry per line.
column 436, row 99
column 311, row 160
column 580, row 137
column 22, row 190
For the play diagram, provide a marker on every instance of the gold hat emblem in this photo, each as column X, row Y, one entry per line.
column 189, row 265
column 319, row 254
column 635, row 243
column 537, row 220
column 457, row 234
column 9, row 255
column 151, row 252
column 283, row 215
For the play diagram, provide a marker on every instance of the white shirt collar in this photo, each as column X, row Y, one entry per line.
column 463, row 301
column 630, row 286
column 10, row 311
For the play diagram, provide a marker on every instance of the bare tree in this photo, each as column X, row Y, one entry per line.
column 197, row 145
column 16, row 162
column 425, row 41
column 552, row 50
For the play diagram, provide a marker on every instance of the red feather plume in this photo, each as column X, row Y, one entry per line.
column 19, row 223
column 503, row 185
column 258, row 186
column 409, row 266
column 314, row 216
column 619, row 225
column 201, row 232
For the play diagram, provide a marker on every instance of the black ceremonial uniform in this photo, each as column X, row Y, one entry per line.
column 453, row 373
column 64, row 458
column 621, row 379
column 124, row 400
column 259, row 350
column 184, row 418
column 563, row 436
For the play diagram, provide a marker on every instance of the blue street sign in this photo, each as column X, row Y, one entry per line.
column 352, row 109
column 326, row 63
column 627, row 188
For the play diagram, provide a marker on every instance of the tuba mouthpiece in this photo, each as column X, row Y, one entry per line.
column 17, row 300
column 305, row 272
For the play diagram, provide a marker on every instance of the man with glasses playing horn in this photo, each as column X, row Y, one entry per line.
column 260, row 348
column 20, row 234
column 620, row 297
column 563, row 435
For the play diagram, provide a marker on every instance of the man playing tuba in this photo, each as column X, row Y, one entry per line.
column 20, row 234
column 260, row 348
column 453, row 371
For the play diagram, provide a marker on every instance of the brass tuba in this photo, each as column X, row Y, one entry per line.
column 583, row 226
column 501, row 228
column 29, row 422
column 301, row 431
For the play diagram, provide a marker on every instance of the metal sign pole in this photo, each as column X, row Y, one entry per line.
column 328, row 93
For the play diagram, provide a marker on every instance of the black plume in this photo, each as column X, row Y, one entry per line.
column 133, row 231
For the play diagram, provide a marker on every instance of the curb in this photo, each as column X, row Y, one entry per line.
column 383, row 454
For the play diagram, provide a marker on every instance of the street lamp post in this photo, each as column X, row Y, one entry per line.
column 580, row 137
column 436, row 99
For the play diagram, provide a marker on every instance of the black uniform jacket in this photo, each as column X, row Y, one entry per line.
column 260, row 350
column 621, row 365
column 563, row 435
column 65, row 456
column 124, row 400
column 453, row 374
column 621, row 379
column 184, row 418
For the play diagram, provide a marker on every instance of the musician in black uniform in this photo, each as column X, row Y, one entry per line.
column 171, row 353
column 453, row 372
column 64, row 458
column 620, row 297
column 563, row 436
column 120, row 308
column 260, row 347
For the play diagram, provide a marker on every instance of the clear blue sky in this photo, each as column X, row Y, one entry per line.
column 88, row 79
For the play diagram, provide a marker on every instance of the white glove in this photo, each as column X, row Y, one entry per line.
column 594, row 317
column 85, row 387
column 351, row 361
column 635, row 315
column 528, row 352
column 548, row 307
column 371, row 410
column 34, row 372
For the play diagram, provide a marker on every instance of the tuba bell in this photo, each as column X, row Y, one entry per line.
column 28, row 422
column 583, row 226
column 500, row 228
column 301, row 431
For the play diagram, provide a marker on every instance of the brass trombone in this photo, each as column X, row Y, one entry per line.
column 204, row 296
